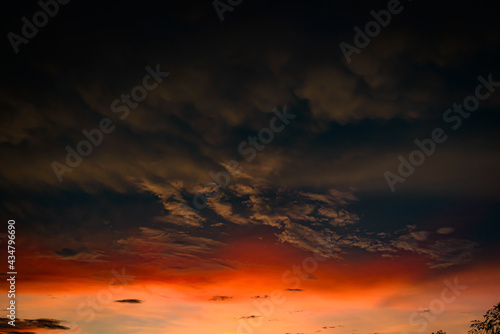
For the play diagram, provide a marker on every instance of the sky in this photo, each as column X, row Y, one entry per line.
column 239, row 167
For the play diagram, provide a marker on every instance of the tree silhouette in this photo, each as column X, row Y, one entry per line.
column 490, row 324
column 439, row 332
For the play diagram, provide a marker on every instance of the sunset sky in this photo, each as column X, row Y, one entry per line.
column 172, row 172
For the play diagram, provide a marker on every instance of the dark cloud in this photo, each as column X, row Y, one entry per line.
column 260, row 297
column 251, row 317
column 220, row 298
column 67, row 252
column 23, row 324
column 129, row 301
column 82, row 255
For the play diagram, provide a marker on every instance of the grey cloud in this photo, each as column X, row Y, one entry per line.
column 42, row 323
column 220, row 298
column 129, row 301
